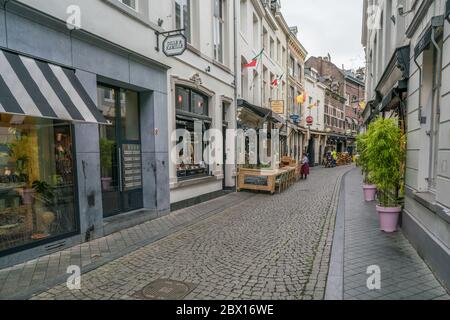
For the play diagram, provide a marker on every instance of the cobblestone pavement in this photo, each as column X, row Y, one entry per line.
column 404, row 275
column 267, row 247
column 21, row 281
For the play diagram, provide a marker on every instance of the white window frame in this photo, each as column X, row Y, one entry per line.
column 219, row 33
column 188, row 3
column 136, row 5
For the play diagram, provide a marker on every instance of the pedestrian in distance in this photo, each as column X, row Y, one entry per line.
column 305, row 167
column 335, row 158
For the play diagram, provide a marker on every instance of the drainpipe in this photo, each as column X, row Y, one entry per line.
column 439, row 59
column 420, row 118
column 6, row 22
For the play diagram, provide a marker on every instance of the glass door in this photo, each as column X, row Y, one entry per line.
column 120, row 151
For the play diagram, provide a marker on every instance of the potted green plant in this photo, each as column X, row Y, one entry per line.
column 370, row 189
column 106, row 151
column 21, row 152
column 384, row 160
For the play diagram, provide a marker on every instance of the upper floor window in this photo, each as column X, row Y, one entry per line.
column 272, row 48
column 291, row 66
column 183, row 16
column 219, row 26
column 130, row 3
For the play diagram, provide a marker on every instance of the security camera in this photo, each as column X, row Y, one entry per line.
column 401, row 10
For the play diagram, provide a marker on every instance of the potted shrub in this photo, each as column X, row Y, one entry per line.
column 23, row 153
column 385, row 157
column 106, row 151
column 370, row 189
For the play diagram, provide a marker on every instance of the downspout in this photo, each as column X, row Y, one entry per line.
column 420, row 118
column 439, row 72
column 6, row 22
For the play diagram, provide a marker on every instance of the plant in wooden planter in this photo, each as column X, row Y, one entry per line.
column 385, row 157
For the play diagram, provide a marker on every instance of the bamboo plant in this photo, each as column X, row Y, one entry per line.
column 385, row 157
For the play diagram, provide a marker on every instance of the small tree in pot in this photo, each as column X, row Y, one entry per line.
column 370, row 189
column 385, row 157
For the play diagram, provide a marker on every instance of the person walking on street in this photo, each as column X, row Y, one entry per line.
column 335, row 157
column 305, row 167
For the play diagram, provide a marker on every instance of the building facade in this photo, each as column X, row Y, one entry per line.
column 201, row 93
column 83, row 123
column 355, row 99
column 335, row 101
column 297, row 131
column 315, row 109
column 408, row 77
column 264, row 44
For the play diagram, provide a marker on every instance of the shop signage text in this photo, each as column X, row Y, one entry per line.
column 278, row 106
column 174, row 45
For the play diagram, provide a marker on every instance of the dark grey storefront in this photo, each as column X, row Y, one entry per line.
column 74, row 157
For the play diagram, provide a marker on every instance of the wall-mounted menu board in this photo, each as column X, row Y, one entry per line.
column 132, row 167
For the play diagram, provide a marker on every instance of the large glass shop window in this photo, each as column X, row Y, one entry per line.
column 36, row 181
column 190, row 104
column 188, row 167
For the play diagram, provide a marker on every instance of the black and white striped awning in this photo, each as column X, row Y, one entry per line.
column 38, row 89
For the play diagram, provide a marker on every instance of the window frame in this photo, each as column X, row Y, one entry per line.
column 136, row 8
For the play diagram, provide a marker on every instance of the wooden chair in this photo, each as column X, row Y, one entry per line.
column 280, row 182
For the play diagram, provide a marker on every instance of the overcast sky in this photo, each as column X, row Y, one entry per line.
column 328, row 26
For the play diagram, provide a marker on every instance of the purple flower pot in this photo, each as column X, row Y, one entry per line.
column 389, row 218
column 369, row 192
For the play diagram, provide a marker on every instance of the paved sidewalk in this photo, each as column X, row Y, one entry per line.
column 359, row 243
column 21, row 281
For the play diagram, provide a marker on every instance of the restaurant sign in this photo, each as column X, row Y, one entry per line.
column 277, row 106
column 174, row 45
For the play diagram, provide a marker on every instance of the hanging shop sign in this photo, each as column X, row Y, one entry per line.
column 278, row 106
column 295, row 118
column 175, row 43
column 309, row 121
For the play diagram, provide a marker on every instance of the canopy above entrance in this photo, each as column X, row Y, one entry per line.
column 260, row 111
column 35, row 88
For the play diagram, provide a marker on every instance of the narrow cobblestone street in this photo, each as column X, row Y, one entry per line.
column 269, row 247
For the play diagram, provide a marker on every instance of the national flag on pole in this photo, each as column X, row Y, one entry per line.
column 254, row 62
column 276, row 81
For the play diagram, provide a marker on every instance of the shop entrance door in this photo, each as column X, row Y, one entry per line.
column 120, row 151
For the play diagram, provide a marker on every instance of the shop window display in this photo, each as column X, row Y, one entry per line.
column 189, row 105
column 36, row 181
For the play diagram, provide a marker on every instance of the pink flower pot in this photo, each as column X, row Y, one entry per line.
column 369, row 192
column 389, row 218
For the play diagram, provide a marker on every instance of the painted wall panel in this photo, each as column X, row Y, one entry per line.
column 444, row 164
column 444, row 135
column 412, row 160
column 411, row 177
column 38, row 40
column 443, row 191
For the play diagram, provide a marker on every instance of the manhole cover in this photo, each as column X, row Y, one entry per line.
column 165, row 290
